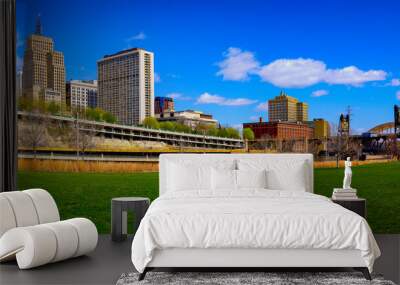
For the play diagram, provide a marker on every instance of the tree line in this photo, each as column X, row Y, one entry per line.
column 52, row 108
column 200, row 129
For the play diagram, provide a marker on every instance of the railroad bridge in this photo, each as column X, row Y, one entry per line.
column 380, row 138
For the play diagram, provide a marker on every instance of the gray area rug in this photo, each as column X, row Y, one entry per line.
column 228, row 278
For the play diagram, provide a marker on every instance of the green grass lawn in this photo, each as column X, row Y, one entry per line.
column 89, row 194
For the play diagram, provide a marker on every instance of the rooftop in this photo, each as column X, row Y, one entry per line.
column 123, row 51
column 88, row 82
column 277, row 123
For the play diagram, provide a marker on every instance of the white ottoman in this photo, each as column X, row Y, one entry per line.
column 31, row 232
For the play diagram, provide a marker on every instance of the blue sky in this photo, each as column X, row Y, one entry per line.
column 228, row 58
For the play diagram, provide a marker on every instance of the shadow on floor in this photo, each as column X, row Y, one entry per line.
column 106, row 264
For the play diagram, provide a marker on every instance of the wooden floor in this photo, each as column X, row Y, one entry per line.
column 110, row 260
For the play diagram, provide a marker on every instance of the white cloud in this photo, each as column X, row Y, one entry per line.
column 351, row 75
column 157, row 77
column 178, row 96
column 293, row 73
column 139, row 36
column 319, row 93
column 174, row 95
column 207, row 98
column 395, row 82
column 237, row 65
column 398, row 95
column 262, row 106
column 239, row 127
column 172, row 75
column 307, row 72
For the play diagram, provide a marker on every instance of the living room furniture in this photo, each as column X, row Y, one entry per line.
column 31, row 231
column 119, row 208
column 247, row 210
column 357, row 205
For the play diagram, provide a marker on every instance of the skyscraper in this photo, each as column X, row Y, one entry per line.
column 43, row 70
column 18, row 84
column 302, row 111
column 126, row 85
column 287, row 109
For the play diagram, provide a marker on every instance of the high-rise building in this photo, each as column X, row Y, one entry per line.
column 321, row 129
column 285, row 108
column 126, row 85
column 81, row 94
column 163, row 104
column 43, row 68
column 302, row 111
column 18, row 84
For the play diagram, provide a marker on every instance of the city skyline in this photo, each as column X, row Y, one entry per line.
column 333, row 59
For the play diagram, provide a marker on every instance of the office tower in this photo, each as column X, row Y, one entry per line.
column 43, row 70
column 126, row 85
column 18, row 84
column 302, row 111
column 321, row 129
column 286, row 109
column 81, row 94
column 163, row 104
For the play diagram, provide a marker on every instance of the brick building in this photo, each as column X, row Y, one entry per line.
column 280, row 130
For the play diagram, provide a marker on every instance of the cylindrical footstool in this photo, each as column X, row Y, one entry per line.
column 119, row 208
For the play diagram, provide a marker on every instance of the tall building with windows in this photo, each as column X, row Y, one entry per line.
column 18, row 84
column 322, row 129
column 81, row 94
column 285, row 108
column 43, row 68
column 163, row 104
column 302, row 111
column 126, row 85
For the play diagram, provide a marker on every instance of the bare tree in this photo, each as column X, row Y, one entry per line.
column 288, row 145
column 33, row 131
column 393, row 148
column 314, row 146
column 335, row 143
column 334, row 129
column 266, row 142
column 81, row 139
